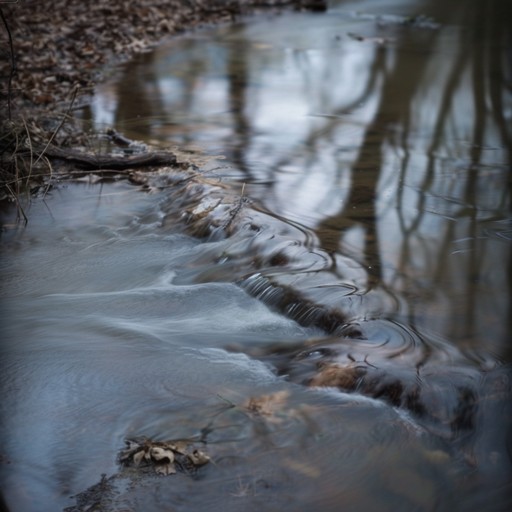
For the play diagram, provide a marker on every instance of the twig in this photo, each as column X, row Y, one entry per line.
column 120, row 139
column 50, row 168
column 30, row 147
column 16, row 168
column 13, row 63
column 236, row 210
column 229, row 402
column 18, row 204
column 54, row 134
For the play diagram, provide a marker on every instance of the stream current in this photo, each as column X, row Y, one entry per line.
column 379, row 143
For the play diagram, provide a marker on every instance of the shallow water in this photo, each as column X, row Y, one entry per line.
column 377, row 154
column 396, row 155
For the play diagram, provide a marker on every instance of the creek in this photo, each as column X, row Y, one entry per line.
column 377, row 144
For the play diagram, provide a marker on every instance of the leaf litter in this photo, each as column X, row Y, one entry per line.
column 165, row 457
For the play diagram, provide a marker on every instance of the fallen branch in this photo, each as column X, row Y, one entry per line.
column 90, row 162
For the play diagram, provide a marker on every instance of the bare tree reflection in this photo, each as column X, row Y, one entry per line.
column 423, row 182
column 360, row 206
column 487, row 84
column 237, row 75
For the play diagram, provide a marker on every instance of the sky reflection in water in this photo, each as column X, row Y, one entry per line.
column 391, row 142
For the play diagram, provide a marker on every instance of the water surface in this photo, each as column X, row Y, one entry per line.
column 378, row 146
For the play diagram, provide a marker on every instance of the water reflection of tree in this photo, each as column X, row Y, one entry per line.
column 479, row 55
column 482, row 58
column 360, row 206
column 238, row 83
column 460, row 187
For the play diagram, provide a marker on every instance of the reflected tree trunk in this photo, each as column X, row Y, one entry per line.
column 359, row 208
column 238, row 84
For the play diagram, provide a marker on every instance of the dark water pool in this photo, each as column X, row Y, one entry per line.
column 379, row 142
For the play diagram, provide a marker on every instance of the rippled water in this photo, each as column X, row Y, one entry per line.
column 369, row 298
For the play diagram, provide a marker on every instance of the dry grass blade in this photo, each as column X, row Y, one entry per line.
column 61, row 124
column 18, row 204
column 30, row 149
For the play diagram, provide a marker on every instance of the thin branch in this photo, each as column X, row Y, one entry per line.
column 63, row 120
column 18, row 204
column 13, row 63
column 31, row 150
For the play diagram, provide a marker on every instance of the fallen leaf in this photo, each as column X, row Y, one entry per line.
column 164, row 456
column 198, row 458
column 302, row 467
column 137, row 458
column 334, row 375
column 165, row 469
column 158, row 453
column 268, row 405
column 179, row 446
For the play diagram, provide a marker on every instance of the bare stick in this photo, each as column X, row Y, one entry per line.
column 13, row 63
column 18, row 204
column 54, row 134
column 30, row 147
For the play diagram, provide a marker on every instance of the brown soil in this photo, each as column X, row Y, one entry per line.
column 62, row 44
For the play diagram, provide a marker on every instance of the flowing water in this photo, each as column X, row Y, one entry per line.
column 376, row 147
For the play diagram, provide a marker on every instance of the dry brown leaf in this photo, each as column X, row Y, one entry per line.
column 334, row 375
column 179, row 447
column 198, row 458
column 302, row 467
column 158, row 453
column 165, row 469
column 268, row 405
column 163, row 455
column 137, row 458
